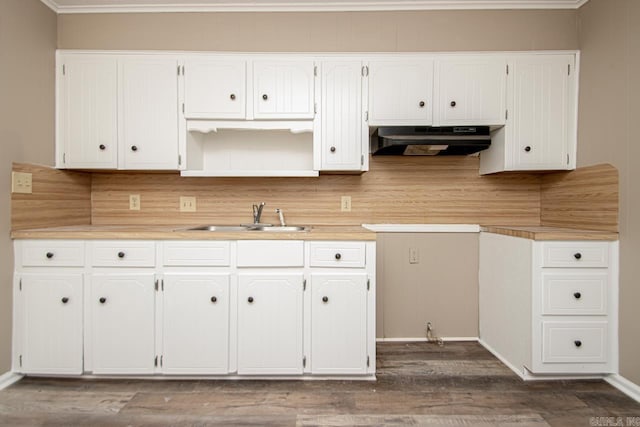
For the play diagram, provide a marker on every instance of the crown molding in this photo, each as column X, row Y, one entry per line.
column 309, row 6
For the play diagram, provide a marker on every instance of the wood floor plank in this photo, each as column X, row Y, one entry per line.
column 529, row 420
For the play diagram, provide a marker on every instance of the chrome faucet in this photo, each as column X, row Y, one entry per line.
column 281, row 216
column 257, row 212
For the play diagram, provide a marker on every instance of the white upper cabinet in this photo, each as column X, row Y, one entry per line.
column 540, row 132
column 215, row 88
column 148, row 113
column 400, row 92
column 343, row 131
column 470, row 90
column 283, row 89
column 87, row 112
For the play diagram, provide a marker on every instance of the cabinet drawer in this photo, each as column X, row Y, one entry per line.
column 270, row 253
column 122, row 253
column 192, row 253
column 337, row 254
column 58, row 253
column 575, row 254
column 575, row 294
column 574, row 342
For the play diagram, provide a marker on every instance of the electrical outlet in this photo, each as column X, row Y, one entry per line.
column 345, row 204
column 134, row 202
column 414, row 256
column 21, row 182
column 187, row 204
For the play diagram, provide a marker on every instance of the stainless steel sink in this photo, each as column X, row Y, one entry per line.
column 256, row 228
column 221, row 228
column 281, row 229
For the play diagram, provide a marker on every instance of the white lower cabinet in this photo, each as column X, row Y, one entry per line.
column 339, row 323
column 270, row 323
column 123, row 323
column 195, row 323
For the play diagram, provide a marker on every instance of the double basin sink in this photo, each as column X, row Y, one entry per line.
column 255, row 228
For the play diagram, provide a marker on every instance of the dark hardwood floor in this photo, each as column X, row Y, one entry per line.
column 460, row 384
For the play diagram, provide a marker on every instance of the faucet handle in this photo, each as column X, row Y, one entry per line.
column 281, row 216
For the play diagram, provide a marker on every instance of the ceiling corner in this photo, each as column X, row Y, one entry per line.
column 51, row 4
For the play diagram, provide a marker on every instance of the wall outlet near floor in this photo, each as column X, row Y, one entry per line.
column 414, row 256
column 21, row 182
column 345, row 204
column 187, row 204
column 134, row 202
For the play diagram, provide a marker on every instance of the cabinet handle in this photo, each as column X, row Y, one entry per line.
column 453, row 103
column 527, row 148
column 214, row 299
column 577, row 295
column 421, row 104
column 332, row 149
column 49, row 255
column 265, row 97
column 325, row 299
column 577, row 255
column 134, row 148
column 102, row 300
column 65, row 300
column 232, row 96
column 250, row 299
column 102, row 146
column 338, row 256
column 578, row 343
column 120, row 254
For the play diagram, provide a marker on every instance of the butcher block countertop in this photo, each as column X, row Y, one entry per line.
column 176, row 232
column 551, row 233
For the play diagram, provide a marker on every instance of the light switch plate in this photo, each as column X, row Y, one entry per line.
column 345, row 204
column 414, row 256
column 134, row 202
column 21, row 182
column 187, row 204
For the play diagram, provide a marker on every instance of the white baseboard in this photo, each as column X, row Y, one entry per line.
column 423, row 339
column 521, row 373
column 8, row 379
column 624, row 385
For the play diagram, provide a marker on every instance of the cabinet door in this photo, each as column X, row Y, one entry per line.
column 149, row 113
column 283, row 89
column 540, row 108
column 471, row 91
column 122, row 327
column 52, row 323
column 215, row 89
column 87, row 112
column 339, row 323
column 400, row 92
column 196, row 324
column 270, row 323
column 341, row 115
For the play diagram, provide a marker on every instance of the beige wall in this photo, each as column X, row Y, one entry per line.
column 609, row 34
column 27, row 48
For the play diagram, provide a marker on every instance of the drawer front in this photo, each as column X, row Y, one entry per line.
column 270, row 253
column 575, row 254
column 195, row 253
column 123, row 253
column 58, row 253
column 337, row 254
column 574, row 342
column 575, row 294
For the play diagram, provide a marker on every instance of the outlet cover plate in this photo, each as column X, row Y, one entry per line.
column 21, row 182
column 187, row 204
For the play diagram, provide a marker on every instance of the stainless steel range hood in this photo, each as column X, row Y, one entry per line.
column 429, row 141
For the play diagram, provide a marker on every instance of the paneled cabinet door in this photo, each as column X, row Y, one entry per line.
column 122, row 323
column 52, row 324
column 148, row 113
column 341, row 116
column 215, row 89
column 87, row 112
column 400, row 92
column 196, row 324
column 339, row 323
column 541, row 107
column 283, row 89
column 470, row 91
column 270, row 323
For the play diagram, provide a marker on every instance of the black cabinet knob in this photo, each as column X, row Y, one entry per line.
column 232, row 96
column 250, row 299
column 49, row 255
column 120, row 254
column 265, row 97
column 65, row 300
column 325, row 299
column 332, row 149
column 338, row 256
column 214, row 299
column 102, row 146
column 527, row 148
column 577, row 295
column 453, row 103
column 134, row 148
column 102, row 300
column 421, row 104
column 577, row 255
column 578, row 343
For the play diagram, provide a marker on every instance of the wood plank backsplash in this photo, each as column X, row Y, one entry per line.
column 395, row 190
column 59, row 198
